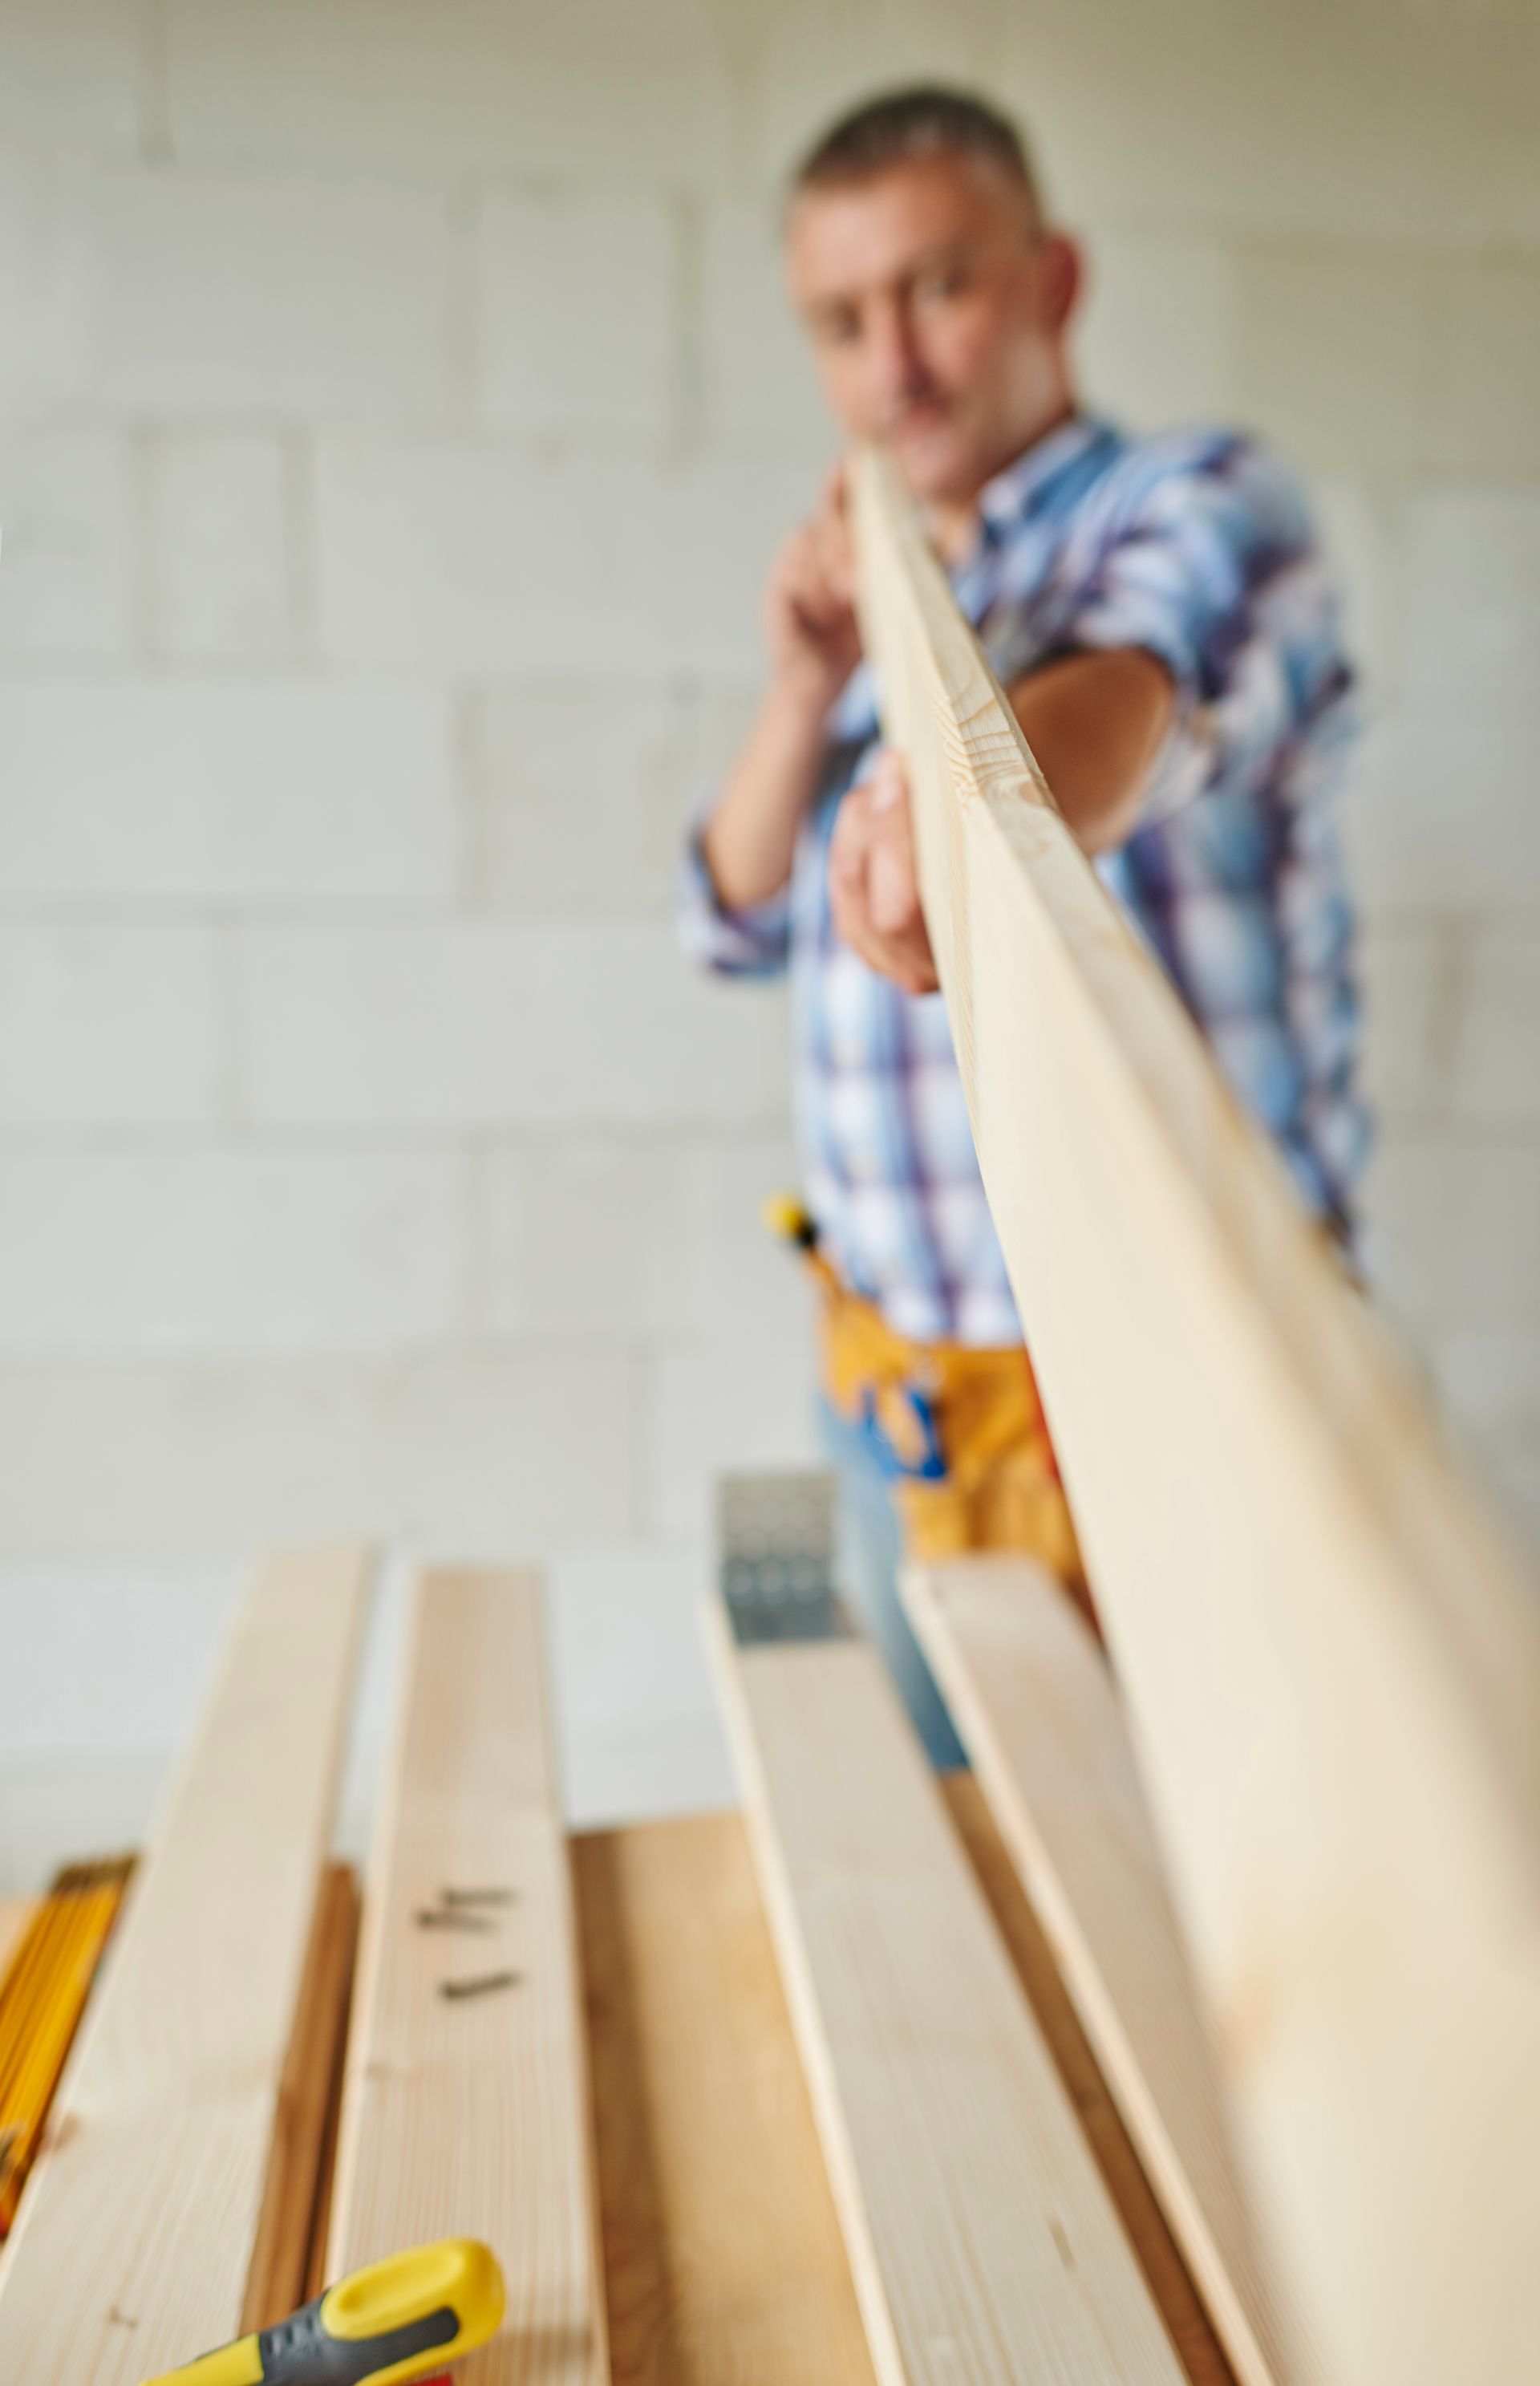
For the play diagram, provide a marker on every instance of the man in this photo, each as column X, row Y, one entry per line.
column 1160, row 619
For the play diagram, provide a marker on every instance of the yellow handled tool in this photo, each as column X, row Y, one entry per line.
column 401, row 2319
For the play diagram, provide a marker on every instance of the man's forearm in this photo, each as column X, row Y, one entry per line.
column 1095, row 723
column 750, row 838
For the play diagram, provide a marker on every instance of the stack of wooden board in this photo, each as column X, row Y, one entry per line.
column 582, row 2054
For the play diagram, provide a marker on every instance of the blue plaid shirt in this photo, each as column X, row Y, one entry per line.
column 1197, row 547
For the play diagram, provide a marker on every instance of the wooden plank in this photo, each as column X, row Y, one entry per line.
column 1031, row 1693
column 465, row 2102
column 299, row 2159
column 137, row 2227
column 326, row 2169
column 982, row 2238
column 723, row 2256
column 722, row 2250
column 1332, row 1659
column 1187, row 2323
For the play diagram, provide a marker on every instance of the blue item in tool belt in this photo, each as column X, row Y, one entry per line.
column 930, row 1465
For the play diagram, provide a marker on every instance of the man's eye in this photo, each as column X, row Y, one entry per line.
column 839, row 330
column 939, row 286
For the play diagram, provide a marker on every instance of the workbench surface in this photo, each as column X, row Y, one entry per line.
column 723, row 2256
column 723, row 2259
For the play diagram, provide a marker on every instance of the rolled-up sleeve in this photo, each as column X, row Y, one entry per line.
column 754, row 942
column 1212, row 567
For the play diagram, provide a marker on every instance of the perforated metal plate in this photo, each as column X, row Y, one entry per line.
column 777, row 1542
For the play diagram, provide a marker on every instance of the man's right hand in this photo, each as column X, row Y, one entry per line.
column 750, row 839
column 810, row 608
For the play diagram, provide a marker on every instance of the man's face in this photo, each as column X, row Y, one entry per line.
column 937, row 309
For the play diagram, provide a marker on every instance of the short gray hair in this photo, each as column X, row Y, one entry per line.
column 921, row 120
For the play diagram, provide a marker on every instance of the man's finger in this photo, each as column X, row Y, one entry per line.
column 893, row 897
column 894, row 892
column 848, row 846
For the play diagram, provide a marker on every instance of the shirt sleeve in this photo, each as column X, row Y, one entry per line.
column 754, row 942
column 1210, row 563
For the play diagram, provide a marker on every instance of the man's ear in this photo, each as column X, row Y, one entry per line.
column 1062, row 268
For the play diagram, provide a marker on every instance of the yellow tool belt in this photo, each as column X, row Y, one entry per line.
column 958, row 1430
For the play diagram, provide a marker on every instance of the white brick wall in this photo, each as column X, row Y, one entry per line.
column 234, row 295
column 188, row 790
column 171, row 1249
column 219, row 568
column 65, row 570
column 473, row 1023
column 398, row 408
column 109, row 1024
column 575, row 303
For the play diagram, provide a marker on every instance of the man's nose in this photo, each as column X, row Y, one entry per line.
column 897, row 367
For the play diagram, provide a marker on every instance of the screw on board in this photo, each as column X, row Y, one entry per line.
column 480, row 1987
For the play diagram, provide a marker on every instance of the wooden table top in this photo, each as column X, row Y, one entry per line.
column 724, row 2261
column 723, row 2257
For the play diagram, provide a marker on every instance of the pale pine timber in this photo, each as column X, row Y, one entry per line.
column 1203, row 2358
column 468, row 2115
column 981, row 2237
column 1034, row 1702
column 303, row 2147
column 723, row 2251
column 137, row 2229
column 344, row 1956
column 1331, row 1656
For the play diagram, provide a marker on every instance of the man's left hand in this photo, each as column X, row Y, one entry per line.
column 873, row 887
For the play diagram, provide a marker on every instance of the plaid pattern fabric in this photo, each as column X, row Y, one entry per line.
column 1198, row 547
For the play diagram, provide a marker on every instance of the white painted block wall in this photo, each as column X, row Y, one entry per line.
column 397, row 410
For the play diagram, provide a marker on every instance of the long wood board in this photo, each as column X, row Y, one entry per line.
column 303, row 2151
column 465, row 2099
column 1187, row 2322
column 1034, row 1700
column 138, row 2225
column 1331, row 1657
column 721, row 2247
column 982, row 2240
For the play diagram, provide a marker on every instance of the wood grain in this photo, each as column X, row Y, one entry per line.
column 1032, row 1698
column 980, row 2235
column 467, row 2115
column 722, row 2249
column 1331, row 1658
column 1187, row 2323
column 138, row 2225
column 321, row 2215
column 300, row 2157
